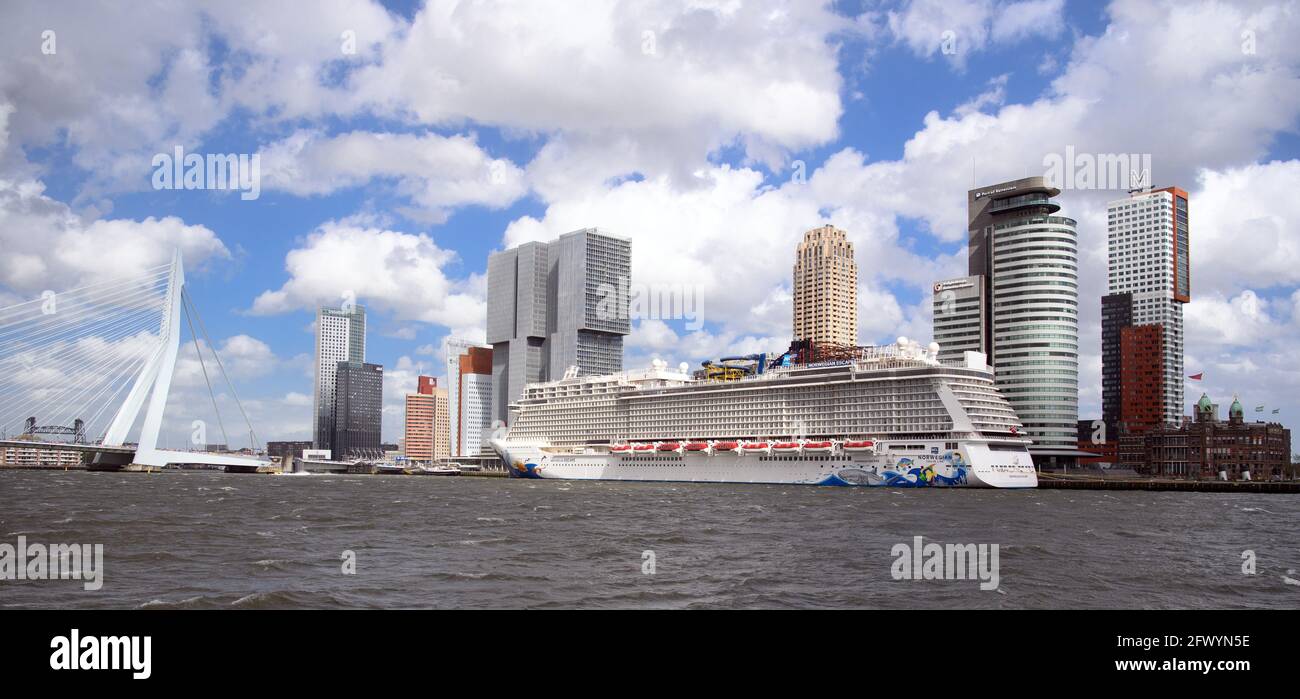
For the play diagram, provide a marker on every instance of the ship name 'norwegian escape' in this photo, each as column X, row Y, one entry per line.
column 889, row 416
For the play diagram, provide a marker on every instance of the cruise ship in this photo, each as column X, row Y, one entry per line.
column 891, row 416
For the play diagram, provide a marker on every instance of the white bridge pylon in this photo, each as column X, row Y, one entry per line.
column 154, row 383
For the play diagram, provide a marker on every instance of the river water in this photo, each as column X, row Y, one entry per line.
column 211, row 540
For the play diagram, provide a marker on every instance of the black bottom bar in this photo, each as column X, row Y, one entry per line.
column 1042, row 650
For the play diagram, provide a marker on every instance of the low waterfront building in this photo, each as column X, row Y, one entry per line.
column 1095, row 439
column 1206, row 447
column 284, row 453
column 41, row 454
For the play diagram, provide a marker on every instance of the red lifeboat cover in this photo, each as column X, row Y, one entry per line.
column 643, row 447
column 697, row 446
column 786, row 445
column 756, row 445
column 669, row 446
column 855, row 445
column 816, row 445
column 724, row 446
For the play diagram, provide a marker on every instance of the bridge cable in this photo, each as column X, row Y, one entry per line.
column 202, row 328
column 195, row 336
column 75, row 380
column 63, row 353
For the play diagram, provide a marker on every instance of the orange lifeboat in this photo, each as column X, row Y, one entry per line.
column 620, row 448
column 643, row 447
column 755, row 448
column 669, row 446
column 819, row 447
column 858, row 446
column 785, row 447
column 724, row 446
column 696, row 446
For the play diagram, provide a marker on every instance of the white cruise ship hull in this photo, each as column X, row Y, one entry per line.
column 973, row 464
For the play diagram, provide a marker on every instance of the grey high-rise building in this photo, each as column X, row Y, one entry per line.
column 1028, row 262
column 556, row 305
column 1116, row 315
column 340, row 337
column 358, row 411
column 959, row 317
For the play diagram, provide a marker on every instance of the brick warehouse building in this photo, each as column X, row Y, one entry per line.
column 1207, row 447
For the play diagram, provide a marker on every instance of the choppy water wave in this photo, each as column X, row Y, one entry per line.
column 339, row 542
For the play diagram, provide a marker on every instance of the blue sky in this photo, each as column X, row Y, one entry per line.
column 688, row 149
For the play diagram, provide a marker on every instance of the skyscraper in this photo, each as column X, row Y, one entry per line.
column 826, row 288
column 441, row 424
column 1142, row 315
column 340, row 337
column 1028, row 261
column 1116, row 314
column 358, row 411
column 427, row 428
column 959, row 317
column 555, row 305
column 469, row 395
column 419, row 424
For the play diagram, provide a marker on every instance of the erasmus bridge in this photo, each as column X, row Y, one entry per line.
column 85, row 363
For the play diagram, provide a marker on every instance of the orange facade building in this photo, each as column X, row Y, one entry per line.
column 427, row 422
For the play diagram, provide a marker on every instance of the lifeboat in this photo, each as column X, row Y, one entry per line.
column 755, row 448
column 819, row 447
column 724, row 447
column 696, row 446
column 643, row 447
column 669, row 446
column 620, row 448
column 785, row 447
column 858, row 446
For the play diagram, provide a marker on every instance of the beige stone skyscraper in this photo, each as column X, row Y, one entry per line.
column 441, row 424
column 826, row 288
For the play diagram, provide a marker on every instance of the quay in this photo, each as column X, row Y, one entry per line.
column 1092, row 482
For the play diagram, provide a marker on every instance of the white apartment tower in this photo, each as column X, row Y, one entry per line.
column 826, row 288
column 1148, row 274
column 469, row 394
column 340, row 337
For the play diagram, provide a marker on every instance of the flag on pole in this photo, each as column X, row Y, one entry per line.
column 1276, row 410
column 1259, row 408
column 1197, row 377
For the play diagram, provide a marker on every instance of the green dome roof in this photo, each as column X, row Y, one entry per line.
column 1236, row 407
column 1205, row 403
